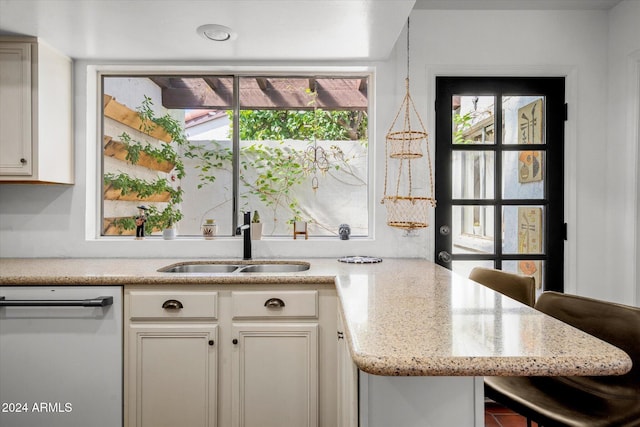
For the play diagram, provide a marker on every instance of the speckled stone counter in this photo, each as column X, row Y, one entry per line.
column 403, row 317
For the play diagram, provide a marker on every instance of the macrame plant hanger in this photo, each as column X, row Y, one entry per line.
column 403, row 143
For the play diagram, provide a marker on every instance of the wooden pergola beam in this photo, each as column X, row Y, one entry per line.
column 262, row 93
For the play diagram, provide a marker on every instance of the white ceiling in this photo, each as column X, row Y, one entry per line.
column 517, row 4
column 274, row 30
column 166, row 29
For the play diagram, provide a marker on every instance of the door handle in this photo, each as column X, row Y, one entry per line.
column 444, row 256
column 91, row 302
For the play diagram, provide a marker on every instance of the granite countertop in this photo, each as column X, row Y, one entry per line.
column 406, row 317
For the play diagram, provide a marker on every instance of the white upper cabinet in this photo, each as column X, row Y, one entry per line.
column 36, row 143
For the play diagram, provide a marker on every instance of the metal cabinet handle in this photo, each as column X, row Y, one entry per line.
column 274, row 303
column 172, row 304
column 91, row 302
column 23, row 161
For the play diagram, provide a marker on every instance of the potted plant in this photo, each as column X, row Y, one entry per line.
column 169, row 233
column 476, row 227
column 256, row 227
column 165, row 220
column 209, row 229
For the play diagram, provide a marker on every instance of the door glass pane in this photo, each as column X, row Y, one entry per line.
column 472, row 229
column 523, row 120
column 473, row 119
column 523, row 229
column 522, row 174
column 472, row 174
column 527, row 267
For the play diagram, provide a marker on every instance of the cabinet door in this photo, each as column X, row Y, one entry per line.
column 347, row 382
column 275, row 375
column 172, row 375
column 15, row 109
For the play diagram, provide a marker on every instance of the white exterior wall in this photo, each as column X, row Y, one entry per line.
column 592, row 48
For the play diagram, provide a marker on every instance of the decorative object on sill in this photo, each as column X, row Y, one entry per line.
column 314, row 158
column 256, row 227
column 169, row 233
column 141, row 218
column 404, row 144
column 360, row 259
column 344, row 231
column 209, row 229
column 300, row 228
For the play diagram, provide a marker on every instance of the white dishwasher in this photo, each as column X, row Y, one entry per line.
column 61, row 356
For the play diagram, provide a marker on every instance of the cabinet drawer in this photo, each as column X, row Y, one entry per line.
column 275, row 304
column 173, row 305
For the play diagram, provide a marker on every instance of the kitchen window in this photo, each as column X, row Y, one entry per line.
column 187, row 150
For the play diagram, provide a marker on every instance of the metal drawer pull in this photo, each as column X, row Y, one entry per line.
column 91, row 302
column 172, row 304
column 274, row 303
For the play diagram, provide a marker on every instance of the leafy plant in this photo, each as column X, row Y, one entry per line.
column 166, row 218
column 279, row 125
column 171, row 214
column 462, row 123
column 209, row 160
column 165, row 153
column 171, row 125
column 127, row 184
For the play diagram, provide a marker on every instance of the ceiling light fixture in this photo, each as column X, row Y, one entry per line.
column 215, row 32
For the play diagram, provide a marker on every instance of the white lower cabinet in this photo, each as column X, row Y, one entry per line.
column 171, row 358
column 275, row 375
column 231, row 356
column 172, row 375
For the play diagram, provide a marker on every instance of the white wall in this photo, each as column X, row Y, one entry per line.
column 623, row 181
column 591, row 48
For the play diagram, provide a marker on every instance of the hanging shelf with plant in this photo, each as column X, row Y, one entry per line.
column 162, row 157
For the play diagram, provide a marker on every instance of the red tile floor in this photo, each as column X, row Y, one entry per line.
column 496, row 415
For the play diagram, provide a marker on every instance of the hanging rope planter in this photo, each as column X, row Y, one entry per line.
column 405, row 210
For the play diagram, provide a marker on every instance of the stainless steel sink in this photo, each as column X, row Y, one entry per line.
column 273, row 268
column 244, row 267
column 199, row 268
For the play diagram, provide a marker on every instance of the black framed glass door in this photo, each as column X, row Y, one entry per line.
column 499, row 175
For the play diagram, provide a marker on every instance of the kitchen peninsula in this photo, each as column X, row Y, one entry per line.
column 421, row 336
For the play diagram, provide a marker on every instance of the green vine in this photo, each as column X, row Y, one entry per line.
column 165, row 153
column 278, row 171
column 462, row 123
column 210, row 160
column 271, row 173
column 127, row 185
column 172, row 126
column 170, row 215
